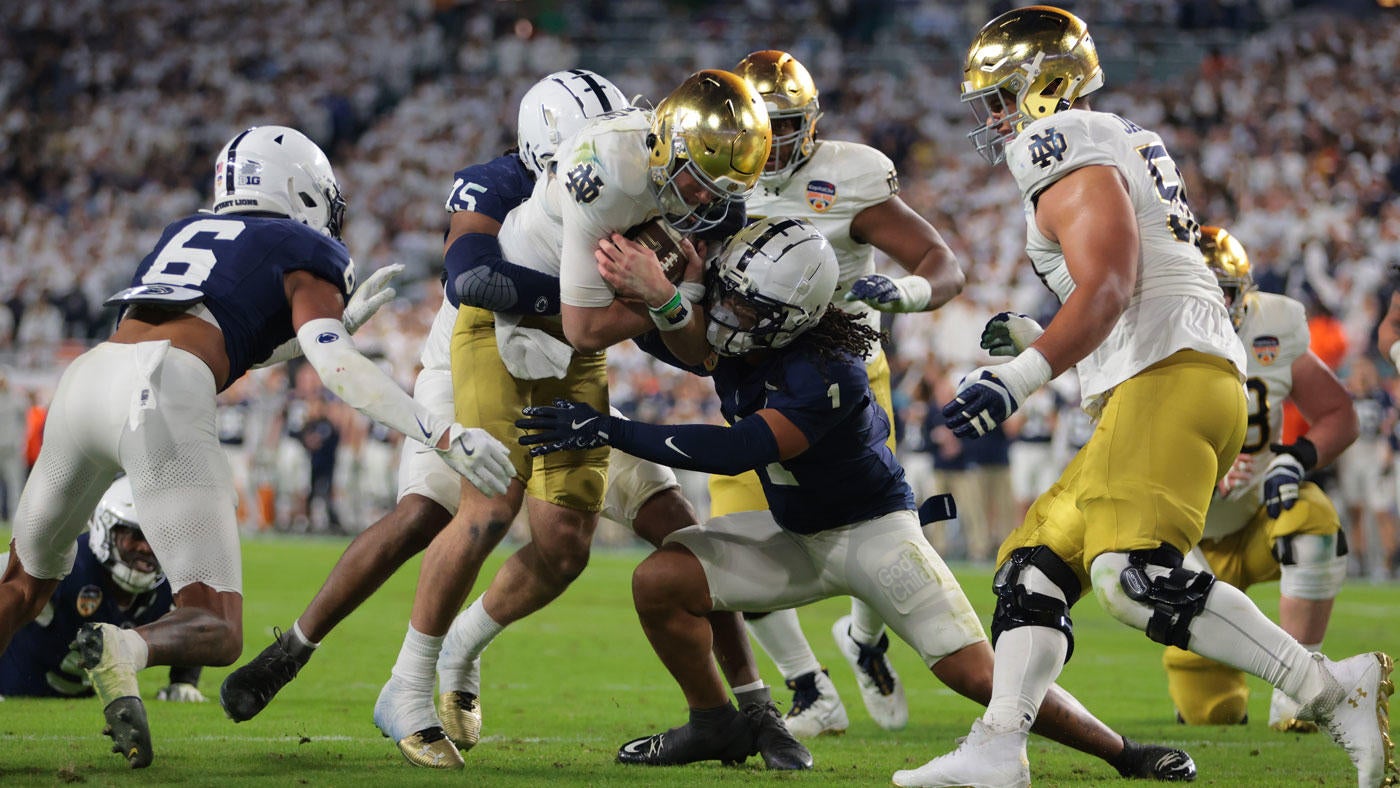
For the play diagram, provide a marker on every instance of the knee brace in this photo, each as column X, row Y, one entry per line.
column 1313, row 566
column 1156, row 579
column 1026, row 587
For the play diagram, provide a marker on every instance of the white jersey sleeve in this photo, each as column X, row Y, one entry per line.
column 1176, row 303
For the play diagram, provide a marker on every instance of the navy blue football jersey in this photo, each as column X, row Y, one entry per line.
column 34, row 664
column 234, row 265
column 847, row 473
column 492, row 188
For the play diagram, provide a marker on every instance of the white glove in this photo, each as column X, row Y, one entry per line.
column 1009, row 333
column 481, row 458
column 180, row 692
column 372, row 293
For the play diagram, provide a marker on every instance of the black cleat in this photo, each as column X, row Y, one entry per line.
column 773, row 739
column 131, row 734
column 729, row 740
column 248, row 690
column 1154, row 762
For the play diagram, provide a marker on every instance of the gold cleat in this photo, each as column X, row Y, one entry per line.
column 461, row 718
column 431, row 749
column 1294, row 725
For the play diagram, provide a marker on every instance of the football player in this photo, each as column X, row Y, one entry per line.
column 116, row 579
column 259, row 277
column 1144, row 322
column 850, row 191
column 790, row 374
column 1266, row 522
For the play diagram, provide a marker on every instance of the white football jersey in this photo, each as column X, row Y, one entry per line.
column 598, row 184
column 1274, row 334
column 838, row 181
column 1176, row 303
column 437, row 348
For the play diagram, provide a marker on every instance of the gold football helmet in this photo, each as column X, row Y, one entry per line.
column 1022, row 66
column 715, row 128
column 789, row 95
column 1227, row 259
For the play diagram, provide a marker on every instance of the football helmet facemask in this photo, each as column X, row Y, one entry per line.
column 276, row 169
column 1228, row 260
column 1025, row 65
column 790, row 97
column 714, row 128
column 117, row 509
column 772, row 281
column 557, row 107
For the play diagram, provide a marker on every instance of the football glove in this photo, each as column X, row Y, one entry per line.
column 564, row 426
column 1284, row 475
column 987, row 396
column 374, row 292
column 180, row 692
column 905, row 294
column 478, row 456
column 1009, row 333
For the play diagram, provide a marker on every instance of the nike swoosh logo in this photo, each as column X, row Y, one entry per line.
column 769, row 386
column 671, row 443
column 578, row 425
column 426, row 433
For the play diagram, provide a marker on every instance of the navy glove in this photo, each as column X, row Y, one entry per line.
column 1284, row 475
column 983, row 402
column 1009, row 333
column 564, row 426
column 905, row 294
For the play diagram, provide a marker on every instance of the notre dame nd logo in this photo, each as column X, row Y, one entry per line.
column 583, row 183
column 1047, row 145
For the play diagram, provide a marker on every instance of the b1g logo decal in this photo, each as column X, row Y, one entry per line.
column 820, row 195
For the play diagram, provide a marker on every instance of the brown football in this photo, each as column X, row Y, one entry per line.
column 658, row 236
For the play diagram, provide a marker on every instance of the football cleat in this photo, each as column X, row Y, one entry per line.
column 249, row 689
column 1283, row 718
column 461, row 718
column 1355, row 712
column 730, row 743
column 985, row 758
column 1154, row 762
column 880, row 686
column 112, row 671
column 431, row 749
column 775, row 742
column 816, row 708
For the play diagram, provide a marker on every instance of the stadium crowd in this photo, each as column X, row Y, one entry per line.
column 1279, row 114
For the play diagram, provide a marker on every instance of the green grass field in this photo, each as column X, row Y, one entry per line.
column 562, row 689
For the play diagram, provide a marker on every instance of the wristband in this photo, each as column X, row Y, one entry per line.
column 673, row 315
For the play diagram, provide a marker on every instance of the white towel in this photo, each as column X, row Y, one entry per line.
column 530, row 353
column 149, row 355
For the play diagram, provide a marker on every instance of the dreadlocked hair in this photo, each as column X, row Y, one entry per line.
column 838, row 334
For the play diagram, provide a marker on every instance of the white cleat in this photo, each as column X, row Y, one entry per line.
column 1283, row 715
column 879, row 684
column 1356, row 714
column 816, row 708
column 984, row 759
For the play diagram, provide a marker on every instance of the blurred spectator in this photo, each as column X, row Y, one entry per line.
column 12, row 440
column 321, row 439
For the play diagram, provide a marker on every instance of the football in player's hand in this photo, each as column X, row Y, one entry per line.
column 657, row 235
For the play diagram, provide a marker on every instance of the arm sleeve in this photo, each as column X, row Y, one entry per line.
column 364, row 386
column 706, row 448
column 479, row 275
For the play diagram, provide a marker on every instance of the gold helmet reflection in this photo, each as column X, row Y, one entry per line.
column 788, row 93
column 714, row 127
column 1227, row 259
column 1025, row 65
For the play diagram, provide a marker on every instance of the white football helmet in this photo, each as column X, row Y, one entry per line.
column 118, row 508
column 556, row 107
column 276, row 169
column 772, row 281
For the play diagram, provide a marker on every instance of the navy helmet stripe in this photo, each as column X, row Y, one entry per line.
column 775, row 229
column 593, row 87
column 231, row 160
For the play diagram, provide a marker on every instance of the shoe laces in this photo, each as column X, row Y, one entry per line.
column 430, row 735
column 277, row 660
column 463, row 700
column 873, row 664
column 804, row 693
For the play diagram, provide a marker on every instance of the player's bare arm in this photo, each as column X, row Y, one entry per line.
column 791, row 440
column 1325, row 403
column 1088, row 212
column 464, row 222
column 1389, row 332
column 895, row 229
column 631, row 269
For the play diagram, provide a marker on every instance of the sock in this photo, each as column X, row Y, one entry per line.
column 136, row 646
column 417, row 659
column 866, row 624
column 717, row 717
column 780, row 635
column 755, row 693
column 1028, row 660
column 1233, row 631
column 459, row 665
column 296, row 643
